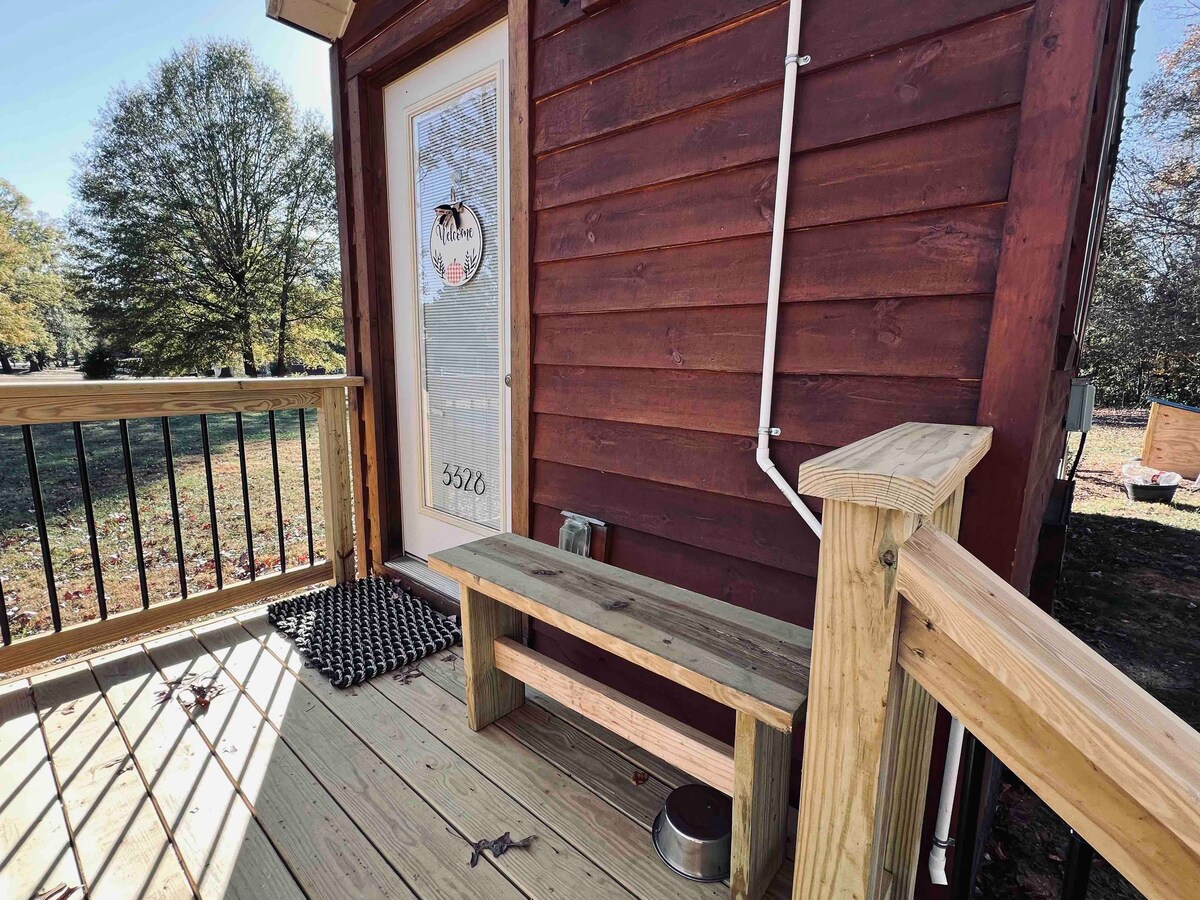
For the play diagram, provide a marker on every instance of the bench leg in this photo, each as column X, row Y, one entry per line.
column 761, row 761
column 491, row 694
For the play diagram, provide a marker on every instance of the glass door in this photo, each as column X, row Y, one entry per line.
column 446, row 127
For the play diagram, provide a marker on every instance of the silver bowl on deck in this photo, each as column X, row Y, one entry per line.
column 692, row 832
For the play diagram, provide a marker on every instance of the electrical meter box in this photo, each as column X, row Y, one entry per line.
column 1079, row 408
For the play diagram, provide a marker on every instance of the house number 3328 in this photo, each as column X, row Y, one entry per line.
column 463, row 478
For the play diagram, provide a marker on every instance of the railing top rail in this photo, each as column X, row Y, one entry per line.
column 912, row 468
column 1117, row 765
column 94, row 401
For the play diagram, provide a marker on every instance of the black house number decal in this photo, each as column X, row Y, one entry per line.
column 465, row 479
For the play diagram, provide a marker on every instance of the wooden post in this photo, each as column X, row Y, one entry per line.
column 910, row 783
column 491, row 693
column 335, row 483
column 877, row 491
column 761, row 760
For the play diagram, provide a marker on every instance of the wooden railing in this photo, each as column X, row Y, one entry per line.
column 907, row 618
column 33, row 404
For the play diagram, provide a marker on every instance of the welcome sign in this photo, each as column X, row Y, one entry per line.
column 456, row 243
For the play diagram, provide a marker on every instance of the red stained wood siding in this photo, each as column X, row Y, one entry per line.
column 920, row 273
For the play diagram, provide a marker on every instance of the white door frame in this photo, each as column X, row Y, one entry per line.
column 477, row 60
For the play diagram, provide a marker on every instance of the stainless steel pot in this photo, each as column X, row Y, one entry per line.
column 692, row 832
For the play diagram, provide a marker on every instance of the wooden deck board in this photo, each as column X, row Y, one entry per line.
column 323, row 848
column 221, row 845
column 410, row 834
column 445, row 778
column 122, row 845
column 35, row 846
column 372, row 791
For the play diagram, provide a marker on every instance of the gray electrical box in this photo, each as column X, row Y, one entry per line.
column 1079, row 408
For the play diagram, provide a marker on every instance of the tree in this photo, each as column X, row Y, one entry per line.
column 1144, row 329
column 39, row 317
column 205, row 232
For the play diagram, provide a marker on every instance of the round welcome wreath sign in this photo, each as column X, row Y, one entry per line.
column 456, row 243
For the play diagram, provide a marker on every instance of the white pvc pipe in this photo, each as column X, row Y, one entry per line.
column 941, row 830
column 762, row 456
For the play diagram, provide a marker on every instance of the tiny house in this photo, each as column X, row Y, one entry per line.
column 557, row 221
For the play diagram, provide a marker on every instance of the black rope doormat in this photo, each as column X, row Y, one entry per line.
column 352, row 632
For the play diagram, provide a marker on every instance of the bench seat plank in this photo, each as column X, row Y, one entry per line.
column 745, row 660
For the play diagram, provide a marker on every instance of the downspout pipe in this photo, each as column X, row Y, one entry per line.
column 791, row 65
column 941, row 830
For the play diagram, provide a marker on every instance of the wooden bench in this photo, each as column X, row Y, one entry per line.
column 755, row 664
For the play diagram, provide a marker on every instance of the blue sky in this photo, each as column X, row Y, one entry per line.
column 59, row 60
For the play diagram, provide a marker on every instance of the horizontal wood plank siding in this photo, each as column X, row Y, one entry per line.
column 920, row 336
column 655, row 132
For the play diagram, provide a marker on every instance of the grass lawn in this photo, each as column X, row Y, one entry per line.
column 1130, row 589
column 24, row 581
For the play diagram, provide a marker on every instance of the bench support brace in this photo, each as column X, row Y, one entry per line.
column 490, row 693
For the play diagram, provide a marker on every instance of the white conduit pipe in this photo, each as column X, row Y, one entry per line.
column 791, row 64
column 941, row 830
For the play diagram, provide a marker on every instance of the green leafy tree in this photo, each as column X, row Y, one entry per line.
column 1144, row 327
column 205, row 232
column 39, row 318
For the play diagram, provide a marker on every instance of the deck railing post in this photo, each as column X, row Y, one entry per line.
column 335, row 482
column 868, row 734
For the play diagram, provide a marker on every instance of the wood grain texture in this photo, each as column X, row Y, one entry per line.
column 741, row 659
column 222, row 846
column 694, row 752
column 115, row 828
column 336, row 489
column 417, row 729
column 491, row 693
column 934, row 337
column 322, row 846
column 520, row 235
column 1118, row 766
column 918, row 254
column 87, row 635
column 93, row 401
column 410, row 834
column 762, row 757
column 418, row 25
column 704, row 461
column 645, row 26
column 38, row 855
column 824, row 409
column 765, row 533
column 741, row 131
column 914, row 751
column 1172, row 440
column 983, row 62
column 853, row 715
column 1002, row 519
column 764, row 589
column 913, row 467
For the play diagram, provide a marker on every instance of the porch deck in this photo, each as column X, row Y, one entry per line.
column 287, row 787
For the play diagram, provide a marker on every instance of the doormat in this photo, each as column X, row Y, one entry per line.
column 352, row 632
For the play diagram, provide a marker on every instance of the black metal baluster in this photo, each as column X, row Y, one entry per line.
column 166, row 433
column 278, row 494
column 134, row 518
column 5, row 634
column 307, row 490
column 93, row 538
column 241, row 440
column 212, row 502
column 35, row 487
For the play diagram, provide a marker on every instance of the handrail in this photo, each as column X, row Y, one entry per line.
column 905, row 617
column 1113, row 762
column 44, row 403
